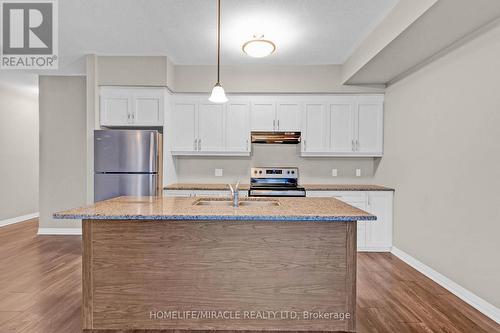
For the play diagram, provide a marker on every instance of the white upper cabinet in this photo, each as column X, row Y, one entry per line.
column 238, row 127
column 341, row 127
column 124, row 106
column 354, row 127
column 263, row 116
column 184, row 129
column 115, row 108
column 148, row 107
column 314, row 136
column 203, row 128
column 210, row 127
column 283, row 115
column 369, row 128
column 331, row 125
column 288, row 117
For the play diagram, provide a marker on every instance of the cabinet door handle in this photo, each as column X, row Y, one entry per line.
column 352, row 145
column 199, row 144
column 305, row 145
column 357, row 145
column 195, row 144
column 278, row 124
column 248, row 146
column 274, row 125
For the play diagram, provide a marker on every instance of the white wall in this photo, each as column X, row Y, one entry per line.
column 442, row 154
column 312, row 170
column 63, row 148
column 19, row 147
column 266, row 79
column 134, row 71
column 405, row 13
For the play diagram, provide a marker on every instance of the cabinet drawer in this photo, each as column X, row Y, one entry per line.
column 346, row 196
column 178, row 193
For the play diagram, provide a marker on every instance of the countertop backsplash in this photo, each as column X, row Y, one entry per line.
column 314, row 170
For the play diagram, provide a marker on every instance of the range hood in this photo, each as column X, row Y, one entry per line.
column 276, row 137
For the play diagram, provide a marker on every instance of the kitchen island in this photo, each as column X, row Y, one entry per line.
column 158, row 263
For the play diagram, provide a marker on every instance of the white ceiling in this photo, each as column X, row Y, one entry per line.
column 306, row 32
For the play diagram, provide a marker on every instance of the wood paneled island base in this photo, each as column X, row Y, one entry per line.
column 218, row 275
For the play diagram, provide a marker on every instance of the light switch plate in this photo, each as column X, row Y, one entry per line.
column 358, row 172
column 334, row 172
column 218, row 172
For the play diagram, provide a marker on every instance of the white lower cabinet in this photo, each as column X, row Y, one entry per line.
column 379, row 233
column 372, row 236
column 361, row 225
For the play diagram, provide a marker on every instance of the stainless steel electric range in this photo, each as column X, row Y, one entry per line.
column 275, row 182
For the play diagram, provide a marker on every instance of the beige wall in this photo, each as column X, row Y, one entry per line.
column 312, row 170
column 18, row 151
column 62, row 147
column 400, row 18
column 442, row 154
column 266, row 79
column 134, row 71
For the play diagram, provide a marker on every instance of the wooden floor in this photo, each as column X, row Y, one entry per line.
column 40, row 282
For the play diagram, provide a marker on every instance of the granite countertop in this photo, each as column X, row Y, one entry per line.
column 176, row 208
column 308, row 187
column 203, row 187
column 345, row 187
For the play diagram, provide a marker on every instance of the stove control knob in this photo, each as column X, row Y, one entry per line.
column 288, row 172
column 260, row 171
column 293, row 172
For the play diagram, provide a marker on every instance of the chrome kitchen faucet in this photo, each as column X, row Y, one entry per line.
column 235, row 193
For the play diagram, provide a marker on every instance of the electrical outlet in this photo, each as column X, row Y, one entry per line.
column 334, row 172
column 358, row 172
column 218, row 172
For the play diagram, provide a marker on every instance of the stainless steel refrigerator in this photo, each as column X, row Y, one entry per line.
column 127, row 162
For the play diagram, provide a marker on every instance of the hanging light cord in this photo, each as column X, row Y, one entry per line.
column 218, row 41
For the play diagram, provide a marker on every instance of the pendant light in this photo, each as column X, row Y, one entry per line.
column 218, row 95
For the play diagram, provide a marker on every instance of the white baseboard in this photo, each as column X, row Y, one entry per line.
column 467, row 296
column 374, row 249
column 18, row 219
column 60, row 231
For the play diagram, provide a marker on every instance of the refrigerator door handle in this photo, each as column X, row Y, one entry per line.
column 153, row 151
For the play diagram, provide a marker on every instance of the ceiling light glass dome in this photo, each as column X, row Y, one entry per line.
column 259, row 47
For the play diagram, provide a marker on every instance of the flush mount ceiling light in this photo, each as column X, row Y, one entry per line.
column 259, row 47
column 218, row 95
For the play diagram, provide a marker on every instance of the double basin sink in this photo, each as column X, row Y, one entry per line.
column 241, row 203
